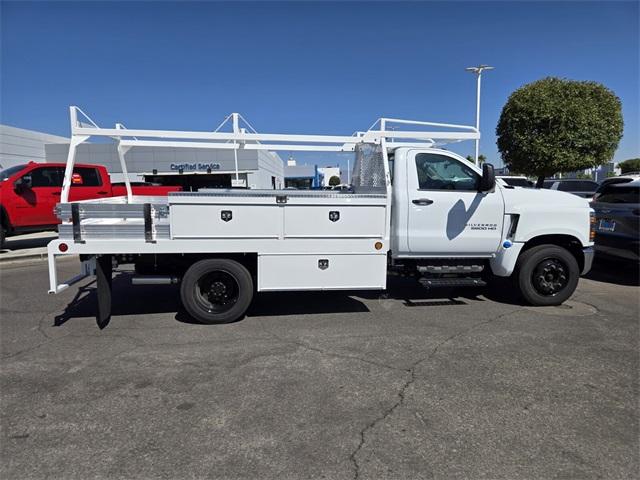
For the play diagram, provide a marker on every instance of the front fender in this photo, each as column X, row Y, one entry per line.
column 574, row 222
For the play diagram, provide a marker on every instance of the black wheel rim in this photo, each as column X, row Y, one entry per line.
column 550, row 277
column 217, row 291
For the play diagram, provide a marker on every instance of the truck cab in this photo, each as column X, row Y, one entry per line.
column 450, row 215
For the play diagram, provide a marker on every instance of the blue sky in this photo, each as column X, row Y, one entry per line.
column 305, row 67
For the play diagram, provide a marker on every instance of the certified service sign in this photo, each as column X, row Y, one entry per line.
column 195, row 167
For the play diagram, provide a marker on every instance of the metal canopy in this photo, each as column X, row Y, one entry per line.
column 385, row 132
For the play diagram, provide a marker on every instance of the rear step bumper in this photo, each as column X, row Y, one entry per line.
column 452, row 282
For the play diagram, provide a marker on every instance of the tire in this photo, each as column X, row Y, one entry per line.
column 3, row 235
column 547, row 275
column 216, row 291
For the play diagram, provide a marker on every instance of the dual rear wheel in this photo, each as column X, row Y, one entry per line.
column 216, row 290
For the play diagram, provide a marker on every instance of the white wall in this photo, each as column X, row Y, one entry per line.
column 18, row 145
column 269, row 165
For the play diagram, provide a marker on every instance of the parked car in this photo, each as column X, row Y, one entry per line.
column 344, row 187
column 617, row 207
column 582, row 188
column 627, row 177
column 29, row 193
column 516, row 181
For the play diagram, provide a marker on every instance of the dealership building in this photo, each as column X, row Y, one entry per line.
column 18, row 146
column 189, row 167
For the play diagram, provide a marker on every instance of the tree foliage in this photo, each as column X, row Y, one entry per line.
column 555, row 125
column 334, row 180
column 631, row 165
column 481, row 159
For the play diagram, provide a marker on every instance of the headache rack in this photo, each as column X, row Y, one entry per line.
column 371, row 146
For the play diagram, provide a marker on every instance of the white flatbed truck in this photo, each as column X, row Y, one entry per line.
column 413, row 208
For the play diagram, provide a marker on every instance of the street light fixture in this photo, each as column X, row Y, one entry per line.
column 478, row 71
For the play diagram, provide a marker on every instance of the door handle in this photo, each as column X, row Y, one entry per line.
column 102, row 193
column 55, row 193
column 422, row 201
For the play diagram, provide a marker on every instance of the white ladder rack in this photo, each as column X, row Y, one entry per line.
column 383, row 132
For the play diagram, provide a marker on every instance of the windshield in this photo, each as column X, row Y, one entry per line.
column 7, row 172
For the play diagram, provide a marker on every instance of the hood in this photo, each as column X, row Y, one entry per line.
column 516, row 199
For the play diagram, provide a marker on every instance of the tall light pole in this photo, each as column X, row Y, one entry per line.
column 478, row 71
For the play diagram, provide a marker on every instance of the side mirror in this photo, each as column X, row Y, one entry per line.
column 23, row 183
column 488, row 180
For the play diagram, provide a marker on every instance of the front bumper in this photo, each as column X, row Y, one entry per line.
column 588, row 254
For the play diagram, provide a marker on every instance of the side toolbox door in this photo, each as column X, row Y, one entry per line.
column 447, row 215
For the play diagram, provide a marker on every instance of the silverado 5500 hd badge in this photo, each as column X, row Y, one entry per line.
column 482, row 226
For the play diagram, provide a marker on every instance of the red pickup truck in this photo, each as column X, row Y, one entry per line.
column 29, row 193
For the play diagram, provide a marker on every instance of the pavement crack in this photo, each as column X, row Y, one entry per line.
column 353, row 458
column 333, row 354
column 40, row 329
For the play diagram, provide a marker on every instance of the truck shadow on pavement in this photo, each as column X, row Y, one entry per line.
column 144, row 300
column 149, row 300
column 615, row 271
column 159, row 299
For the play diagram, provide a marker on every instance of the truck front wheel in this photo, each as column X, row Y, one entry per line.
column 547, row 275
column 216, row 290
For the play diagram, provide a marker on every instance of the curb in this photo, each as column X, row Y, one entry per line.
column 32, row 257
column 9, row 257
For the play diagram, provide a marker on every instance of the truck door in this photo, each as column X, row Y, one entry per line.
column 447, row 214
column 87, row 183
column 38, row 195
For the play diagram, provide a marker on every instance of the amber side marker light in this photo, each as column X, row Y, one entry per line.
column 63, row 247
column 592, row 226
column 378, row 245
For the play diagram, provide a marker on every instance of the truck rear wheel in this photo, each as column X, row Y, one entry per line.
column 547, row 275
column 216, row 290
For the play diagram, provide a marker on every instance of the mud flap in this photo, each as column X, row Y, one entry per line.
column 104, row 272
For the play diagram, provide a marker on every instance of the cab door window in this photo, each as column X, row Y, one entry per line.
column 46, row 177
column 439, row 172
column 86, row 177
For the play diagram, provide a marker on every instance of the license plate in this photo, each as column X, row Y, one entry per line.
column 607, row 225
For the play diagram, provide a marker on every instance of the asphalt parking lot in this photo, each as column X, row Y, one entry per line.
column 409, row 384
